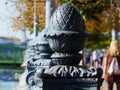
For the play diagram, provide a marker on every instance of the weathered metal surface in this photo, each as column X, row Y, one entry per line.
column 59, row 69
column 67, row 32
column 38, row 56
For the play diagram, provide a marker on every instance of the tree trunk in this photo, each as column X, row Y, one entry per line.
column 36, row 20
column 114, row 34
column 50, row 8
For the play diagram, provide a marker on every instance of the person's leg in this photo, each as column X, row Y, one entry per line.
column 110, row 85
column 118, row 85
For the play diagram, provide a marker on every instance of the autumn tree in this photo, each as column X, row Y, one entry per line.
column 99, row 17
column 26, row 9
column 26, row 17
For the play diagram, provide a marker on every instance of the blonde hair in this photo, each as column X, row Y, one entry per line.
column 114, row 48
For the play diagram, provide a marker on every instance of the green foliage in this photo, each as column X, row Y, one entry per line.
column 89, row 8
column 98, row 40
column 32, row 30
column 10, row 53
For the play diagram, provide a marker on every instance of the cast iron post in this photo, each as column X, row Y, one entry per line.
column 66, row 37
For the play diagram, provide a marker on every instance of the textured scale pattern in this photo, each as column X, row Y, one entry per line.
column 67, row 18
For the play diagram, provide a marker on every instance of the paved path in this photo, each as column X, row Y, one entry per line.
column 104, row 86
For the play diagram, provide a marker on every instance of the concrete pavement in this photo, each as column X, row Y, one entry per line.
column 104, row 86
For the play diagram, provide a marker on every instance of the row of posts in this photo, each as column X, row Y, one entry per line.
column 53, row 57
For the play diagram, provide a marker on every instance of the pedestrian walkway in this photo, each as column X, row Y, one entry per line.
column 104, row 86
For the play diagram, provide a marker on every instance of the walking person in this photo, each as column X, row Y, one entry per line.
column 96, row 58
column 95, row 55
column 112, row 65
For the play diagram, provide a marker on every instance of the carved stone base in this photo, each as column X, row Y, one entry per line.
column 71, row 84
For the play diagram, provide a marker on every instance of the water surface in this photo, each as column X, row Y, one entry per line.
column 8, row 85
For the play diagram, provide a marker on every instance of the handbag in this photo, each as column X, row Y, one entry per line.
column 111, row 68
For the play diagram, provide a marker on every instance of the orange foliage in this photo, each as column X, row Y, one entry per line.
column 25, row 19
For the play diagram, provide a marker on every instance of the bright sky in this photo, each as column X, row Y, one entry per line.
column 7, row 11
